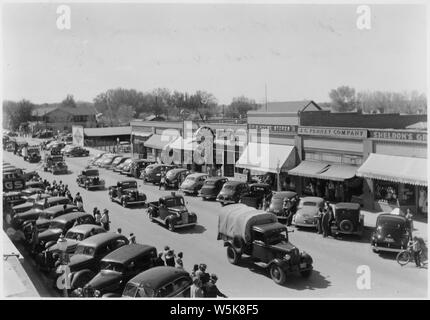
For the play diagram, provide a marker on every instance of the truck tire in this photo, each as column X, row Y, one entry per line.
column 232, row 255
column 306, row 273
column 346, row 226
column 170, row 226
column 277, row 274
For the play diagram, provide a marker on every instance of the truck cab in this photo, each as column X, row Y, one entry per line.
column 126, row 193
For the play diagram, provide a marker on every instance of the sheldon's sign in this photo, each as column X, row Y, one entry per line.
column 347, row 133
column 398, row 135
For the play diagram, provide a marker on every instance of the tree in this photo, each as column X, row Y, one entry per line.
column 343, row 99
column 69, row 102
column 18, row 113
column 239, row 107
column 125, row 114
column 389, row 102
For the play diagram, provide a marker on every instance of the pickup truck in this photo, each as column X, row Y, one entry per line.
column 259, row 235
column 90, row 179
column 171, row 212
column 55, row 164
column 126, row 193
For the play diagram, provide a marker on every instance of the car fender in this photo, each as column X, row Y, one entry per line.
column 304, row 256
column 80, row 278
column 283, row 264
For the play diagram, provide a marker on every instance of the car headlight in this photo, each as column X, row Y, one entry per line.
column 287, row 257
column 78, row 292
column 97, row 293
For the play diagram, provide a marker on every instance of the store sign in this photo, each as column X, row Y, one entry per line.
column 333, row 132
column 78, row 135
column 274, row 128
column 398, row 135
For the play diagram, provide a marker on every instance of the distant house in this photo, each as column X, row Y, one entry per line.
column 61, row 118
column 290, row 106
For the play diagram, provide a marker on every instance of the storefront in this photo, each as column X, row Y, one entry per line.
column 156, row 146
column 138, row 140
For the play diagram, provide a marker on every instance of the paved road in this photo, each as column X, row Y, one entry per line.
column 335, row 261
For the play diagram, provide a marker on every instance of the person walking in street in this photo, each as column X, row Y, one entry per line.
column 105, row 220
column 132, row 238
column 95, row 211
column 319, row 220
column 416, row 249
column 408, row 217
column 78, row 202
column 211, row 290
column 162, row 180
column 195, row 269
column 170, row 258
column 119, row 231
column 179, row 262
column 196, row 290
column 202, row 274
column 325, row 222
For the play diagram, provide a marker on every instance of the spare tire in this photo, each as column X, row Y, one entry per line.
column 346, row 226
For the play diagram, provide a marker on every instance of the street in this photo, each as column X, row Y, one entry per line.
column 336, row 262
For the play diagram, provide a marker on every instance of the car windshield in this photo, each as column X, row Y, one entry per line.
column 88, row 251
column 175, row 202
column 75, row 235
column 391, row 224
column 118, row 267
column 56, row 225
column 307, row 204
column 129, row 185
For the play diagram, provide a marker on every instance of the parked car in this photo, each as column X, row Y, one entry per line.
column 76, row 151
column 193, row 183
column 35, row 184
column 72, row 238
column 136, row 167
column 392, row 233
column 126, row 193
column 212, row 187
column 85, row 261
column 159, row 282
column 104, row 157
column 61, row 225
column 95, row 158
column 28, row 192
column 90, row 179
column 118, row 160
column 123, row 163
column 171, row 212
column 45, row 217
column 347, row 219
column 259, row 235
column 232, row 191
column 307, row 212
column 152, row 173
column 107, row 162
column 29, row 203
column 255, row 195
column 117, row 268
column 277, row 205
column 175, row 177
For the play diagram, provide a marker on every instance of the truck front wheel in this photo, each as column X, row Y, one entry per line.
column 277, row 274
column 170, row 226
column 232, row 255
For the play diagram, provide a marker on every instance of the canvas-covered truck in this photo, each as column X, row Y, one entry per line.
column 258, row 234
column 171, row 212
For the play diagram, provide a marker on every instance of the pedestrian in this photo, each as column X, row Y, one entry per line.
column 166, row 249
column 159, row 260
column 95, row 210
column 34, row 237
column 416, row 249
column 69, row 195
column 286, row 206
column 162, row 180
column 179, row 262
column 325, row 222
column 211, row 290
column 408, row 217
column 319, row 220
column 202, row 274
column 195, row 269
column 105, row 220
column 119, row 231
column 132, row 238
column 170, row 258
column 196, row 290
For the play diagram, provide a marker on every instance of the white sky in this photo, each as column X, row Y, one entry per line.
column 300, row 51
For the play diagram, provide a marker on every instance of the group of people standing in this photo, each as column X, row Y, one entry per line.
column 325, row 218
column 331, row 190
column 102, row 219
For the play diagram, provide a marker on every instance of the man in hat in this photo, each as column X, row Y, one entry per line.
column 179, row 262
column 170, row 258
column 202, row 274
column 105, row 220
column 211, row 290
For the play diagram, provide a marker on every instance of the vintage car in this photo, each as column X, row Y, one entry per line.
column 38, row 207
column 75, row 151
column 277, row 205
column 90, row 179
column 347, row 219
column 259, row 235
column 55, row 148
column 307, row 212
column 175, row 177
column 61, row 225
column 212, row 187
column 159, row 282
column 95, row 158
column 232, row 191
column 171, row 212
column 152, row 172
column 136, row 167
column 392, row 233
column 28, row 192
column 55, row 164
column 105, row 156
column 35, row 184
column 118, row 161
column 193, row 183
column 47, row 215
column 255, row 195
column 107, row 162
column 85, row 261
column 29, row 203
column 126, row 193
column 72, row 239
column 33, row 154
column 117, row 268
column 124, row 163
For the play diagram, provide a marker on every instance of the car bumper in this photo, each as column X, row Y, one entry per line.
column 185, row 225
column 305, row 224
column 136, row 201
column 388, row 249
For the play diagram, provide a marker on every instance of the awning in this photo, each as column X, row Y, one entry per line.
column 141, row 134
column 158, row 141
column 264, row 157
column 394, row 168
column 324, row 170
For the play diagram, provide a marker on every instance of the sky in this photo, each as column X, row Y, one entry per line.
column 296, row 51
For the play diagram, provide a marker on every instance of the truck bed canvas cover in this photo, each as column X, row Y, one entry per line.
column 236, row 220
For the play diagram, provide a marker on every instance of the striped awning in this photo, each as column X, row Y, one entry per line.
column 324, row 170
column 407, row 170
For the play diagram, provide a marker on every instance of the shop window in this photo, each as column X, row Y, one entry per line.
column 386, row 191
